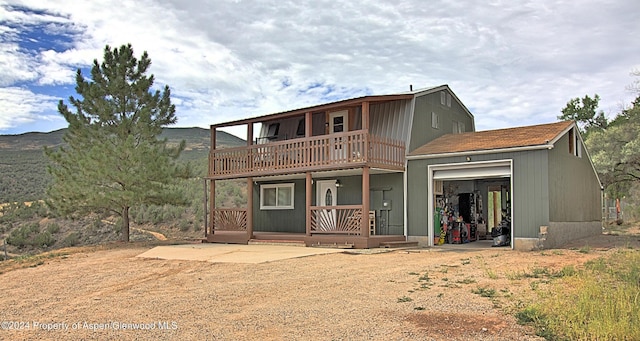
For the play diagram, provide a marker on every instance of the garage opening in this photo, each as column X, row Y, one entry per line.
column 468, row 202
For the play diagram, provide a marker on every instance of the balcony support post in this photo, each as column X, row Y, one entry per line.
column 249, row 149
column 365, row 116
column 206, row 208
column 308, row 131
column 250, row 207
column 365, row 202
column 308, row 184
column 212, row 188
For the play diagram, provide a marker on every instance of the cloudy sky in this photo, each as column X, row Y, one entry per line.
column 512, row 63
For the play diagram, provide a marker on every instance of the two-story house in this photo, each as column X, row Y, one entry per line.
column 356, row 173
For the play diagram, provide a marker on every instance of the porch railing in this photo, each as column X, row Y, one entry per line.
column 345, row 219
column 318, row 152
column 229, row 219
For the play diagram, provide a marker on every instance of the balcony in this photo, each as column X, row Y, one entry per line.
column 326, row 152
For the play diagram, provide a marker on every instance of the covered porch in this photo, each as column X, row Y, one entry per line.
column 316, row 216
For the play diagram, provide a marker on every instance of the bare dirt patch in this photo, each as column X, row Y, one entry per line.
column 428, row 294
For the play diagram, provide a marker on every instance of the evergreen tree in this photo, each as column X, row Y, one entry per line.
column 113, row 159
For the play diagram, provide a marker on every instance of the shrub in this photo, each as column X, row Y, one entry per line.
column 53, row 228
column 44, row 239
column 20, row 237
column 485, row 292
column 30, row 235
column 71, row 240
column 184, row 225
column 404, row 299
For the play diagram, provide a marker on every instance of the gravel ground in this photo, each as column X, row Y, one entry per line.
column 423, row 294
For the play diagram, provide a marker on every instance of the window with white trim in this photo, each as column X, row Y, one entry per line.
column 458, row 127
column 443, row 98
column 575, row 147
column 276, row 196
column 579, row 148
column 449, row 100
column 435, row 120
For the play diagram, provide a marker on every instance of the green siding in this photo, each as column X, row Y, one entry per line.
column 417, row 200
column 388, row 187
column 280, row 220
column 575, row 194
column 421, row 130
column 350, row 193
column 383, row 186
column 530, row 198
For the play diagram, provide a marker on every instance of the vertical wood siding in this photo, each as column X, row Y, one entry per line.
column 390, row 119
column 530, row 199
column 422, row 132
column 575, row 194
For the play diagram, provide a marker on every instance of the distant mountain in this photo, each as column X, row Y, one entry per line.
column 31, row 141
column 23, row 166
column 196, row 138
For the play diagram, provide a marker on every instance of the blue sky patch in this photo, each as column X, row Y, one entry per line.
column 45, row 35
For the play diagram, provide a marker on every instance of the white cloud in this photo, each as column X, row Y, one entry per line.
column 15, row 66
column 21, row 106
column 512, row 63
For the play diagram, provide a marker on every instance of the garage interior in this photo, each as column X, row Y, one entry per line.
column 469, row 204
column 467, row 211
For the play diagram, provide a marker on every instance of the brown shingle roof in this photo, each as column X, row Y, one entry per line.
column 494, row 139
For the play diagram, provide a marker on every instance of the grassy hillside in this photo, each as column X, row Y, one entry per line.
column 196, row 138
column 23, row 175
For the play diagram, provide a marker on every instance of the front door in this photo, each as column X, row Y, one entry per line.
column 326, row 195
column 338, row 123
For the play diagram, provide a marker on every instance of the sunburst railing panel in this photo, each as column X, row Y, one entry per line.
column 230, row 219
column 336, row 219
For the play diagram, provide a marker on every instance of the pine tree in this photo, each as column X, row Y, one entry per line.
column 113, row 159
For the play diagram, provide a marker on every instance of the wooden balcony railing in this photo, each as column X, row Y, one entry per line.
column 334, row 151
column 346, row 219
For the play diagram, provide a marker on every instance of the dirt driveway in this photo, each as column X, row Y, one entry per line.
column 421, row 294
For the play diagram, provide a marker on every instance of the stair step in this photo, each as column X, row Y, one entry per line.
column 276, row 242
column 334, row 246
column 398, row 244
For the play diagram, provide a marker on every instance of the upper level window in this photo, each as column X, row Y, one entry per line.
column 276, row 196
column 435, row 120
column 458, row 127
column 443, row 98
column 301, row 127
column 449, row 100
column 274, row 128
column 575, row 147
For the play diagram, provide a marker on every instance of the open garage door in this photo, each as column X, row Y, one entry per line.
column 498, row 169
column 472, row 173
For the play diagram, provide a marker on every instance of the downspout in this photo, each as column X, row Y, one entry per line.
column 405, row 196
column 430, row 213
column 511, row 181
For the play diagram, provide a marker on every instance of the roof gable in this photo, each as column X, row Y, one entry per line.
column 341, row 104
column 537, row 135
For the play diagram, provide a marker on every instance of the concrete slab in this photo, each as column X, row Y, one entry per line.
column 232, row 253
